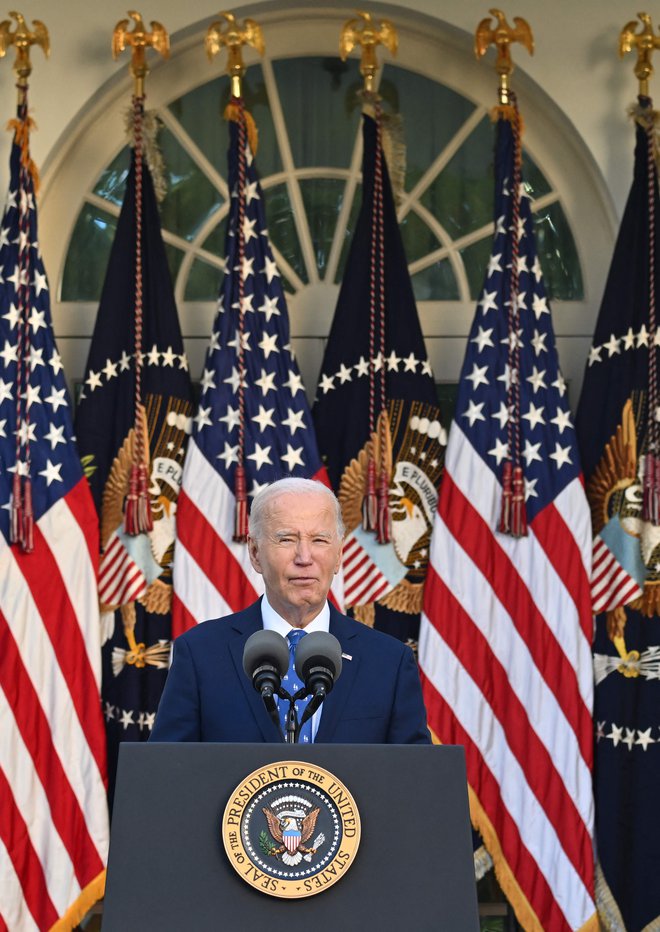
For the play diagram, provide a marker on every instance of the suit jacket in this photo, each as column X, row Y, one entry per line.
column 377, row 699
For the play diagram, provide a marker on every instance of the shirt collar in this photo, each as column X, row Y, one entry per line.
column 274, row 622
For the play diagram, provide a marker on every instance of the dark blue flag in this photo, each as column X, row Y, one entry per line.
column 618, row 432
column 135, row 579
column 376, row 412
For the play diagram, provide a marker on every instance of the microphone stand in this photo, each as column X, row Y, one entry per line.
column 292, row 725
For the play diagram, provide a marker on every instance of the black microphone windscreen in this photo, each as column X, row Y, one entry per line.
column 321, row 647
column 266, row 647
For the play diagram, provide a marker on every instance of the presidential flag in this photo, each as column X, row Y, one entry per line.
column 376, row 415
column 135, row 404
column 53, row 815
column 506, row 630
column 252, row 413
column 618, row 431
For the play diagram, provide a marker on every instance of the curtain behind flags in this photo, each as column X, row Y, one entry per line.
column 505, row 635
column 212, row 571
column 620, row 388
column 135, row 579
column 53, row 809
column 376, row 404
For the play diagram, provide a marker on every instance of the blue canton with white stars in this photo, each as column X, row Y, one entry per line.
column 46, row 423
column 279, row 437
column 547, row 439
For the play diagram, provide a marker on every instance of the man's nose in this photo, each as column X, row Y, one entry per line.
column 303, row 552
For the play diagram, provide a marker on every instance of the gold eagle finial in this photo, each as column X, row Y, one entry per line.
column 502, row 36
column 645, row 42
column 234, row 37
column 364, row 32
column 23, row 38
column 139, row 40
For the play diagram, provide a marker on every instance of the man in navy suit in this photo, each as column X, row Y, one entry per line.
column 295, row 543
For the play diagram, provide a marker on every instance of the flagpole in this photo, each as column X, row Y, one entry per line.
column 233, row 38
column 138, row 517
column 513, row 517
column 376, row 517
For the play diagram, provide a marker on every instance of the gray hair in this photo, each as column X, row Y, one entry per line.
column 295, row 486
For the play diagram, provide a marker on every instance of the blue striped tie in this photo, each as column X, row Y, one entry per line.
column 292, row 684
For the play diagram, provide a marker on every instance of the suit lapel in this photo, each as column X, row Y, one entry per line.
column 333, row 706
column 245, row 624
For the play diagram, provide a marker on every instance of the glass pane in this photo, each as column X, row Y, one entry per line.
column 174, row 260
column 475, row 259
column 282, row 228
column 321, row 108
column 432, row 115
column 190, row 198
column 200, row 112
column 418, row 239
column 436, row 283
column 557, row 253
column 203, row 282
column 461, row 197
column 323, row 198
column 350, row 229
column 535, row 181
column 88, row 254
column 215, row 241
column 112, row 183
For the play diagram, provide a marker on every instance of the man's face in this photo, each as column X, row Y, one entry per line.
column 298, row 555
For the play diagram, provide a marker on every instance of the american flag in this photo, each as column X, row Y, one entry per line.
column 53, row 817
column 506, row 628
column 212, row 573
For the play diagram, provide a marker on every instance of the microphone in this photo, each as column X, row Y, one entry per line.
column 318, row 665
column 265, row 662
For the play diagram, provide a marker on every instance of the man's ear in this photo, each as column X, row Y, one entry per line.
column 341, row 552
column 253, row 552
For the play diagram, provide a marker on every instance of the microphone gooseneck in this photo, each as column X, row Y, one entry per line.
column 318, row 665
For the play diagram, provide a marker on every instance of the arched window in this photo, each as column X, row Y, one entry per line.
column 304, row 101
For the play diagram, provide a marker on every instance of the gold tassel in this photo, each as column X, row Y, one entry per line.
column 233, row 115
column 22, row 138
column 241, row 517
column 28, row 517
column 518, row 510
column 507, row 491
column 370, row 501
column 16, row 530
column 383, row 530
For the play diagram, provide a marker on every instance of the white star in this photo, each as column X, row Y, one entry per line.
column 377, row 362
column 644, row 738
column 643, row 336
column 260, row 456
column 494, row 265
column 270, row 269
column 248, row 229
column 256, row 488
column 268, row 344
column 294, row 421
column 326, row 383
column 538, row 342
column 292, row 457
column 531, row 452
column 3, row 421
column 629, row 339
column 25, row 433
column 245, row 341
column 473, row 412
column 55, row 435
column 426, row 368
column 124, row 362
column 616, row 734
column 12, row 316
column 56, row 398
column 594, row 355
column 202, row 418
column 534, row 415
column 247, row 271
column 126, row 718
column 251, row 192
column 509, row 376
column 613, row 345
column 502, row 415
column 530, row 488
column 483, row 338
column 522, row 264
column 561, row 456
column 536, row 379
column 362, row 366
column 110, row 369
column 32, row 395
column 293, row 383
column 36, row 320
column 514, row 339
column 560, row 385
column 9, row 353
column 40, row 282
column 500, row 226
column 344, row 374
column 183, row 364
column 234, row 379
column 540, row 306
column 264, row 418
column 230, row 455
column 519, row 301
column 562, row 420
column 488, row 302
column 409, row 363
column 393, row 362
column 52, row 472
column 153, row 355
column 169, row 356
column 231, row 418
column 630, row 738
column 269, row 308
column 478, row 376
column 536, row 270
column 207, row 381
column 93, row 380
column 266, row 382
column 500, row 451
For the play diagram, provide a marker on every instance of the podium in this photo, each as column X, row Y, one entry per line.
column 168, row 869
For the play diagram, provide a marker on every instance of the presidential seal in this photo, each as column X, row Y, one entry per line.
column 291, row 829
